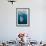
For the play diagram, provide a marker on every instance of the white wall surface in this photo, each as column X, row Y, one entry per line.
column 37, row 29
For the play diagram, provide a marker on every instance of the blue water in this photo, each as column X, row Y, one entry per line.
column 22, row 18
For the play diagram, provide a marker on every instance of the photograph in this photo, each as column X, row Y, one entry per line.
column 22, row 22
column 22, row 17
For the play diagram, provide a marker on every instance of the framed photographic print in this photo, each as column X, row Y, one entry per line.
column 22, row 17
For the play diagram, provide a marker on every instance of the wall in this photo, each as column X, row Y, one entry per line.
column 8, row 29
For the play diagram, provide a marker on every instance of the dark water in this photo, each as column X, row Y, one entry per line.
column 22, row 18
